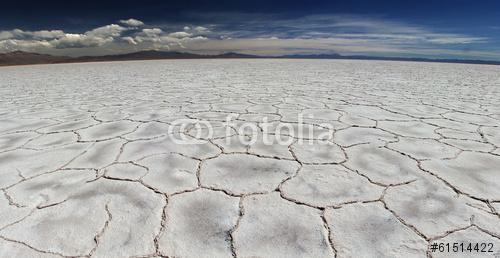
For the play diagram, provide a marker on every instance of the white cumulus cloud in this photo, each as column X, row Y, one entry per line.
column 180, row 34
column 312, row 34
column 112, row 30
column 201, row 29
column 132, row 22
column 6, row 35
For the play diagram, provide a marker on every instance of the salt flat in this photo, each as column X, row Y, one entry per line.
column 375, row 159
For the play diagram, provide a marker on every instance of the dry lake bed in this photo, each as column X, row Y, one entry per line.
column 249, row 158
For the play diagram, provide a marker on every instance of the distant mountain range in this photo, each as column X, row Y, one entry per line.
column 25, row 58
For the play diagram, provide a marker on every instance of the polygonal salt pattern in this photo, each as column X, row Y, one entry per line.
column 415, row 129
column 245, row 174
column 318, row 152
column 369, row 230
column 329, row 185
column 11, row 212
column 126, row 171
column 107, row 130
column 424, row 148
column 170, row 173
column 429, row 207
column 148, row 130
column 373, row 112
column 27, row 163
column 269, row 227
column 49, row 189
column 140, row 149
column 419, row 111
column 354, row 120
column 69, row 126
column 51, row 140
column 94, row 167
column 457, row 134
column 492, row 135
column 435, row 210
column 102, row 212
column 15, row 140
column 199, row 224
column 20, row 125
column 472, row 118
column 469, row 145
column 471, row 172
column 99, row 155
column 381, row 165
column 451, row 124
column 357, row 135
column 13, row 249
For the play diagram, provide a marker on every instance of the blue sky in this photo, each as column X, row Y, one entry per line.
column 462, row 29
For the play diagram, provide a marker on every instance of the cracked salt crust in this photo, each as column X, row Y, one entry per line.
column 199, row 224
column 381, row 165
column 369, row 230
column 329, row 185
column 90, row 169
column 245, row 174
column 270, row 226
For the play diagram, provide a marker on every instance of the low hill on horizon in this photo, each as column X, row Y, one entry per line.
column 26, row 58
